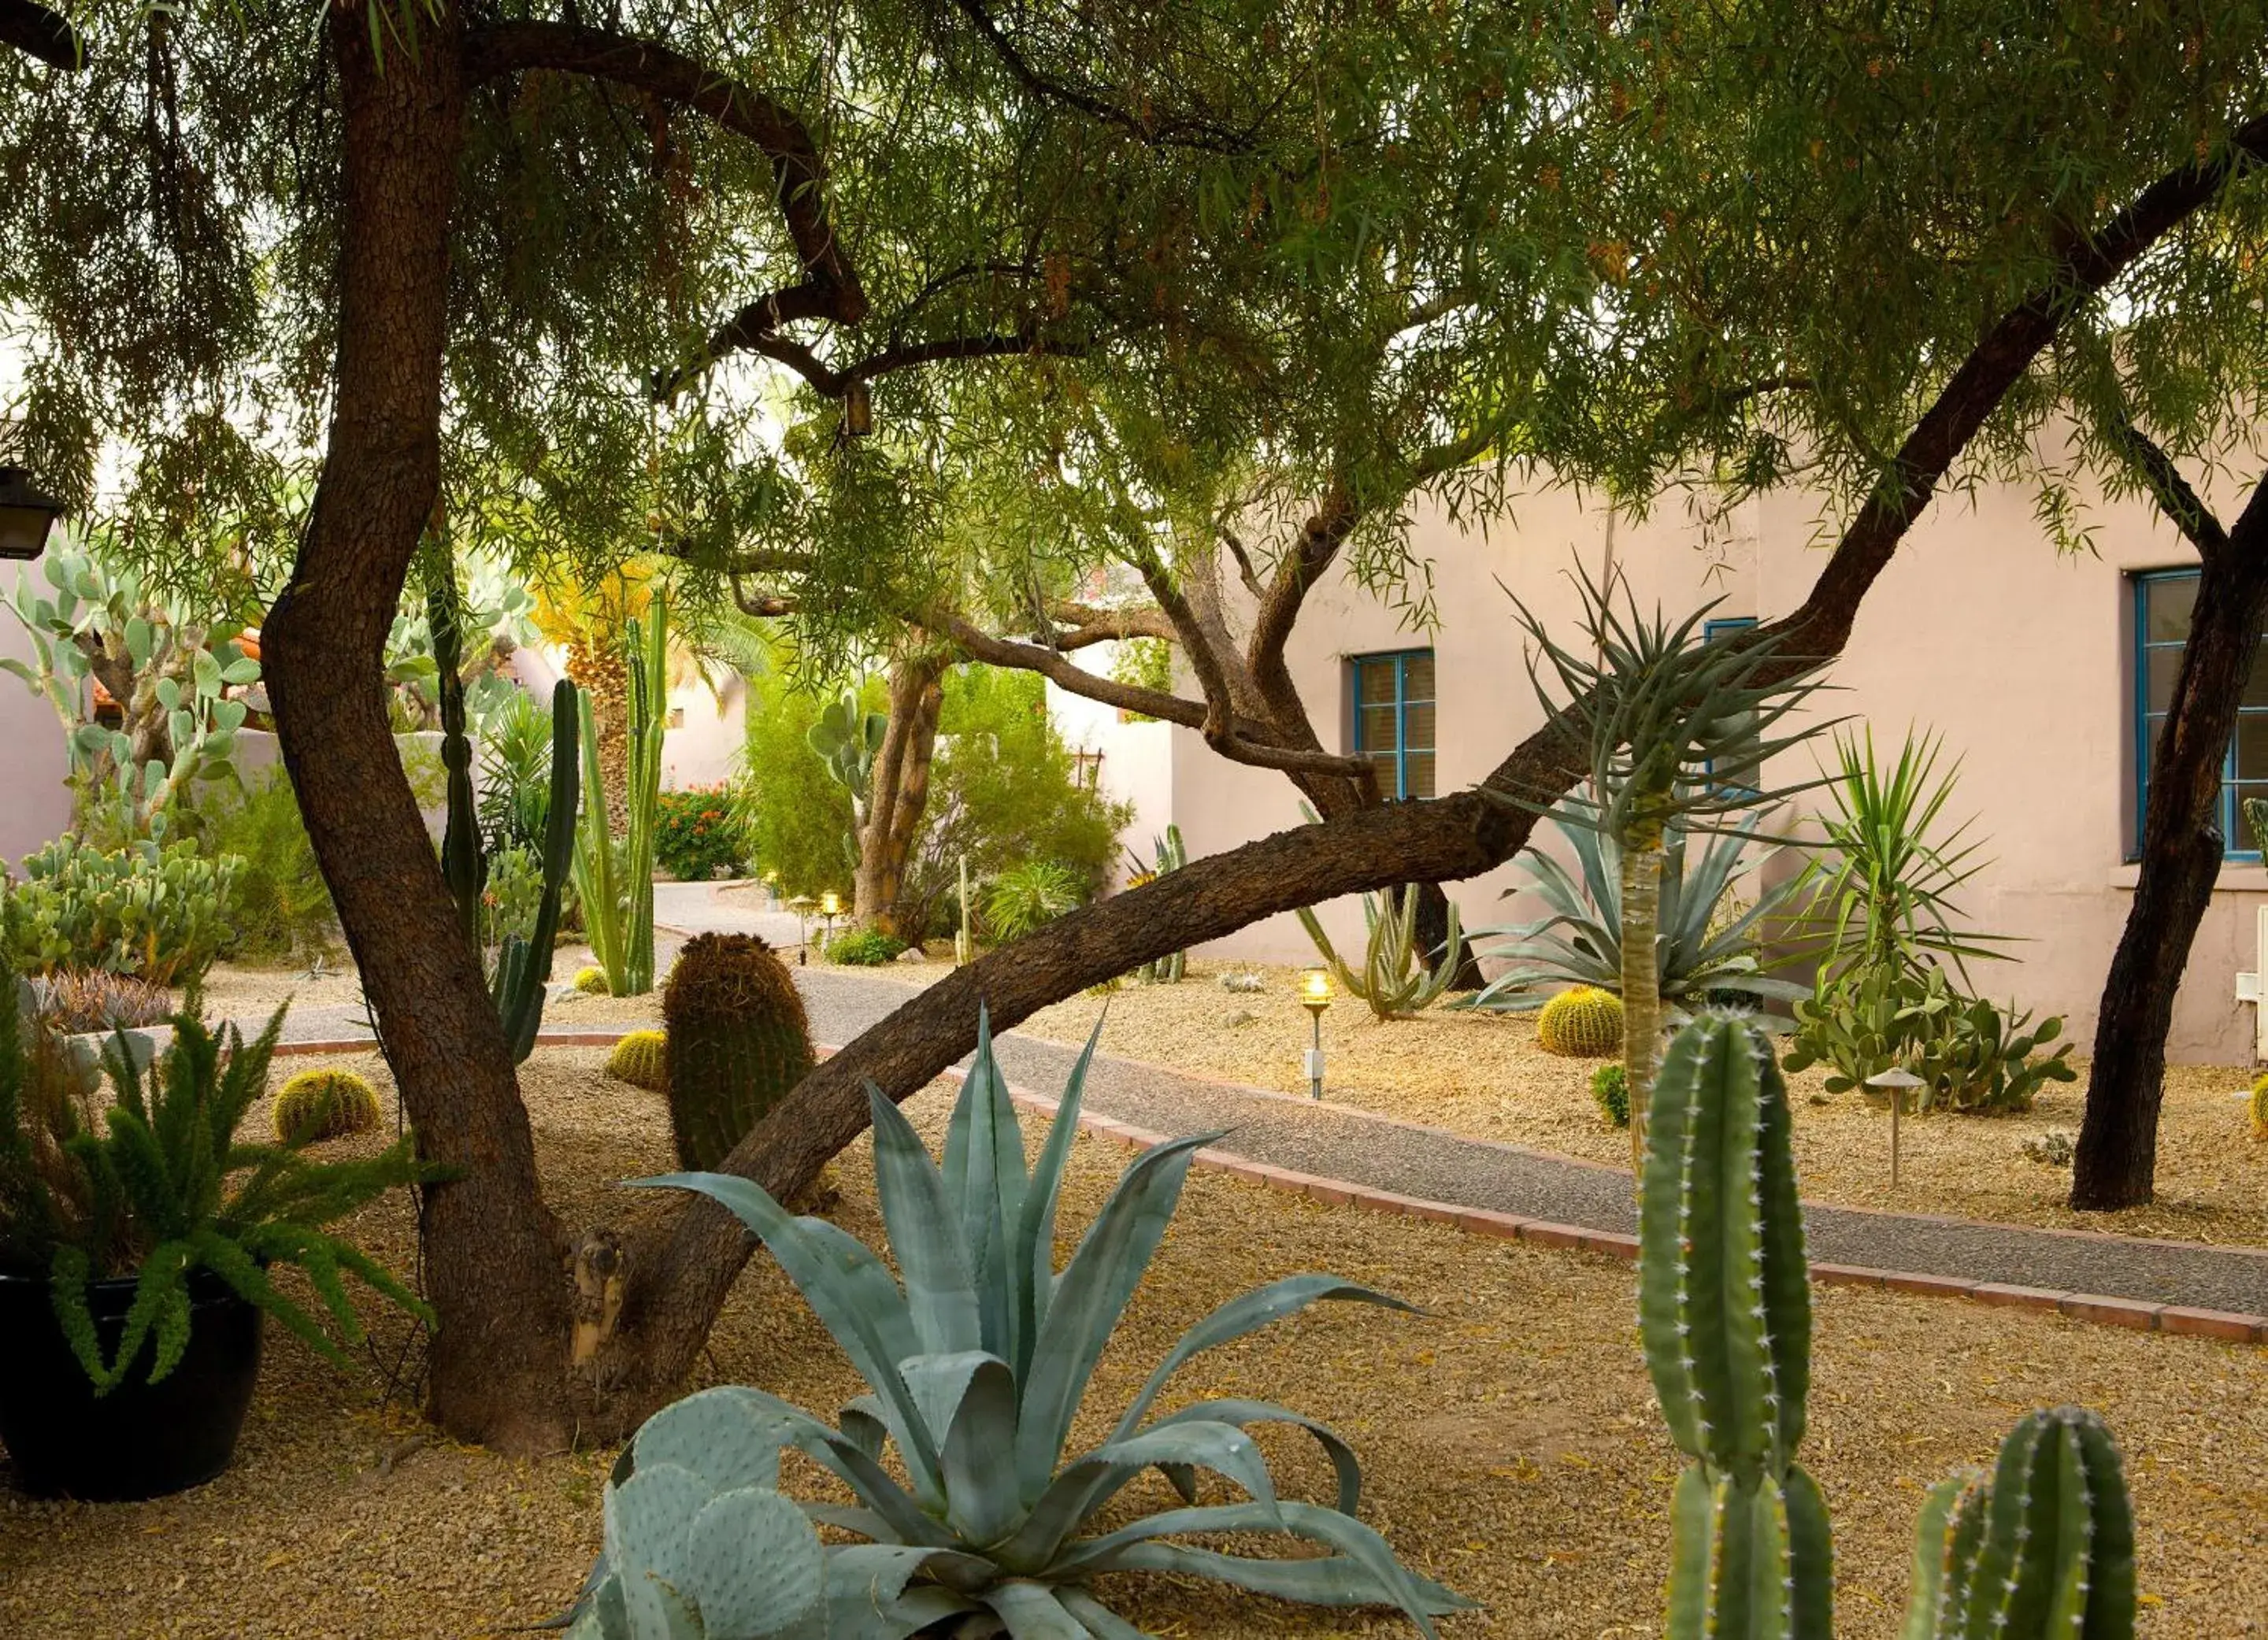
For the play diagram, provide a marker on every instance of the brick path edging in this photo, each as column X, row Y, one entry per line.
column 2098, row 1309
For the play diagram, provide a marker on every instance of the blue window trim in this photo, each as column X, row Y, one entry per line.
column 1401, row 658
column 1725, row 626
column 2232, row 823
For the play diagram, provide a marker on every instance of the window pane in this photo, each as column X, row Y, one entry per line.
column 1378, row 729
column 1421, row 775
column 1417, row 675
column 2161, row 666
column 2255, row 681
column 1417, row 726
column 1374, row 680
column 2168, row 600
column 1390, row 771
column 2241, row 840
column 2252, row 747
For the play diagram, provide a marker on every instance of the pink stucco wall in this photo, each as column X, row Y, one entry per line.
column 34, row 803
column 1980, row 630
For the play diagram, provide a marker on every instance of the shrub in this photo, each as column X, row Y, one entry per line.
column 158, row 914
column 865, row 948
column 696, row 835
column 1610, row 1092
column 515, row 796
column 1970, row 1056
column 1585, row 1023
column 1029, row 897
column 93, row 1000
column 642, row 1059
column 280, row 911
column 790, row 812
column 977, row 1368
column 318, row 1105
column 592, row 981
column 738, row 1042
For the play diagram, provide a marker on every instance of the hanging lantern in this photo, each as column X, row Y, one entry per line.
column 26, row 515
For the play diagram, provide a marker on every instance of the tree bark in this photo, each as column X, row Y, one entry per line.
column 2116, row 1162
column 901, row 791
column 493, row 1251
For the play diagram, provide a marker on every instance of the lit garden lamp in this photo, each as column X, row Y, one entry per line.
column 830, row 907
column 1897, row 1082
column 26, row 516
column 1315, row 997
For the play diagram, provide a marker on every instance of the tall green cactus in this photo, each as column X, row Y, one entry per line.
column 617, row 894
column 523, row 967
column 739, row 1041
column 2043, row 1551
column 1725, row 1313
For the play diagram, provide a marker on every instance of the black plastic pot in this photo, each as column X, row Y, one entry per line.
column 142, row 1439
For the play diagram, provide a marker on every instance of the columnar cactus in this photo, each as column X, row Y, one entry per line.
column 2045, row 1546
column 1725, row 1313
column 1170, row 854
column 1584, row 1022
column 738, row 1042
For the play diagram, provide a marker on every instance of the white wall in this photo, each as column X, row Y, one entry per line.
column 34, row 803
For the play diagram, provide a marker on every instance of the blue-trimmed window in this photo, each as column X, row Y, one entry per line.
column 1394, row 719
column 2163, row 599
column 1741, row 779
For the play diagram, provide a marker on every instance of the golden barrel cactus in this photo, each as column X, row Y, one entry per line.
column 642, row 1059
column 318, row 1105
column 1585, row 1023
column 2259, row 1107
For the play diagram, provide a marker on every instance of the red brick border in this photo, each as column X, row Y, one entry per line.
column 2095, row 1308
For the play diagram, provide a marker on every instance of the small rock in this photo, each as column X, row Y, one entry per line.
column 1242, row 982
column 1236, row 1017
column 913, row 953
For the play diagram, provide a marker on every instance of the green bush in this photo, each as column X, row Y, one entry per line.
column 515, row 761
column 790, row 812
column 1028, row 897
column 865, row 948
column 512, row 897
column 280, row 910
column 158, row 914
column 696, row 835
column 1969, row 1055
column 1610, row 1092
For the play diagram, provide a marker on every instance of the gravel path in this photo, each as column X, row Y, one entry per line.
column 1342, row 1144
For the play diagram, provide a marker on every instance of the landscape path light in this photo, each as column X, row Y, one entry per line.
column 830, row 907
column 1897, row 1082
column 1315, row 997
column 26, row 515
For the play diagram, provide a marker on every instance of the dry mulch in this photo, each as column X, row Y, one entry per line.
column 1512, row 1443
column 1484, row 1075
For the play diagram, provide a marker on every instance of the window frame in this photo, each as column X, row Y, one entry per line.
column 1725, row 626
column 2139, row 715
column 1403, row 702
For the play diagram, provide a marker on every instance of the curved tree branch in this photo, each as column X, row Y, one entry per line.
column 2183, row 506
column 39, row 33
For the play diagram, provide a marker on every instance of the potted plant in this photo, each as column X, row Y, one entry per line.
column 135, row 1243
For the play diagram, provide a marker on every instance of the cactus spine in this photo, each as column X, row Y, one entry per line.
column 1725, row 1312
column 738, row 1042
column 2044, row 1551
column 523, row 967
column 1584, row 1022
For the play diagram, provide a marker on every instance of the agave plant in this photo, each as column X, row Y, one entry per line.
column 977, row 1367
column 1392, row 979
column 1580, row 942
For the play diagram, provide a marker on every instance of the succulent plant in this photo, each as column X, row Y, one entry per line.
column 848, row 740
column 592, row 981
column 1392, row 979
column 1584, row 1022
column 1168, row 854
column 156, row 913
column 2259, row 1106
column 318, row 1105
column 94, row 999
column 738, row 1042
column 615, row 882
column 642, row 1059
column 1610, row 1092
column 2044, row 1551
column 976, row 1365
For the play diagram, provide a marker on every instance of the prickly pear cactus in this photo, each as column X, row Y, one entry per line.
column 2043, row 1548
column 737, row 1042
column 642, row 1059
column 1725, row 1314
column 1585, row 1023
column 317, row 1105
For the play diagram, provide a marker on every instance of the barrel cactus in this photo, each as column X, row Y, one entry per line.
column 738, row 1042
column 592, row 981
column 2259, row 1107
column 2043, row 1551
column 2044, row 1546
column 970, row 1513
column 642, row 1059
column 317, row 1105
column 1583, row 1023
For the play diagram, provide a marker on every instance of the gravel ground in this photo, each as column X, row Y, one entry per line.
column 1511, row 1440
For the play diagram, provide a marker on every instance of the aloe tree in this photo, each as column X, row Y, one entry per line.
column 617, row 890
column 1677, row 731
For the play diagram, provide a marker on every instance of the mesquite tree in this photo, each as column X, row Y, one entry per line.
column 485, row 235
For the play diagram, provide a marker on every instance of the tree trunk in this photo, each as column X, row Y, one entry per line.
column 1641, row 888
column 596, row 666
column 2117, row 1157
column 492, row 1251
column 901, row 792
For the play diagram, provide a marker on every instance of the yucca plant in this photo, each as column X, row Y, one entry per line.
column 616, row 888
column 1394, row 979
column 976, row 1365
column 1028, row 897
column 1677, row 731
column 1580, row 941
